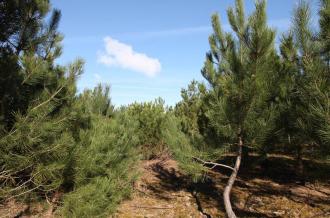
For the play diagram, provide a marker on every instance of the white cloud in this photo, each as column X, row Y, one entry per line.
column 122, row 55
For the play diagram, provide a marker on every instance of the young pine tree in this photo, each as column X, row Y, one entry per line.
column 105, row 166
column 190, row 112
column 240, row 70
column 304, row 107
column 38, row 119
column 322, row 112
column 97, row 101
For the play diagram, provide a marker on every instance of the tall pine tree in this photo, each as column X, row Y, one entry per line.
column 305, row 82
column 240, row 70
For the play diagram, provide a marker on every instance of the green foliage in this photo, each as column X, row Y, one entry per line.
column 51, row 139
column 190, row 112
column 152, row 119
column 28, row 46
column 159, row 132
column 241, row 71
column 319, row 84
column 97, row 101
column 105, row 167
column 33, row 154
column 54, row 140
column 305, row 82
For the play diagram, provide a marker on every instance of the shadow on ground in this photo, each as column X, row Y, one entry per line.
column 269, row 188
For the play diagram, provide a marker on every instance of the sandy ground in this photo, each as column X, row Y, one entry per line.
column 269, row 189
column 163, row 192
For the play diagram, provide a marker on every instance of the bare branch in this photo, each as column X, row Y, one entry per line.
column 212, row 163
column 23, row 193
column 142, row 207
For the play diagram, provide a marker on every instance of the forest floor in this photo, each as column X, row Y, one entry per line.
column 270, row 190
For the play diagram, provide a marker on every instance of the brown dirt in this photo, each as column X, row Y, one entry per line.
column 263, row 189
column 35, row 209
column 14, row 209
column 260, row 191
column 160, row 192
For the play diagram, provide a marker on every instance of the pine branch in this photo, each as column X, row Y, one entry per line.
column 213, row 163
column 12, row 44
column 23, row 193
column 28, row 77
column 48, row 100
column 21, row 185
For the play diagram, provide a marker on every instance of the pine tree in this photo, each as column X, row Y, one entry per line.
column 104, row 165
column 27, row 43
column 190, row 111
column 97, row 101
column 35, row 152
column 240, row 70
column 39, row 119
column 322, row 109
column 304, row 120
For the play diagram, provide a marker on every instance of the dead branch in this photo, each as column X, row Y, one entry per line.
column 212, row 163
column 23, row 193
column 145, row 207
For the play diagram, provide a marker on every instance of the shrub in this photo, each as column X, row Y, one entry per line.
column 152, row 119
column 104, row 163
column 159, row 132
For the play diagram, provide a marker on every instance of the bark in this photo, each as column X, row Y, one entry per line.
column 230, row 183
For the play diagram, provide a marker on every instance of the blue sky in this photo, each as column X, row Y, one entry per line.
column 146, row 49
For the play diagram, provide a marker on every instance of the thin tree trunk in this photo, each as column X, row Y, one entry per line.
column 230, row 183
column 300, row 165
column 245, row 156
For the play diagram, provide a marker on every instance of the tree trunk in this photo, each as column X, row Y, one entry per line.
column 245, row 157
column 300, row 165
column 232, row 178
column 245, row 152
